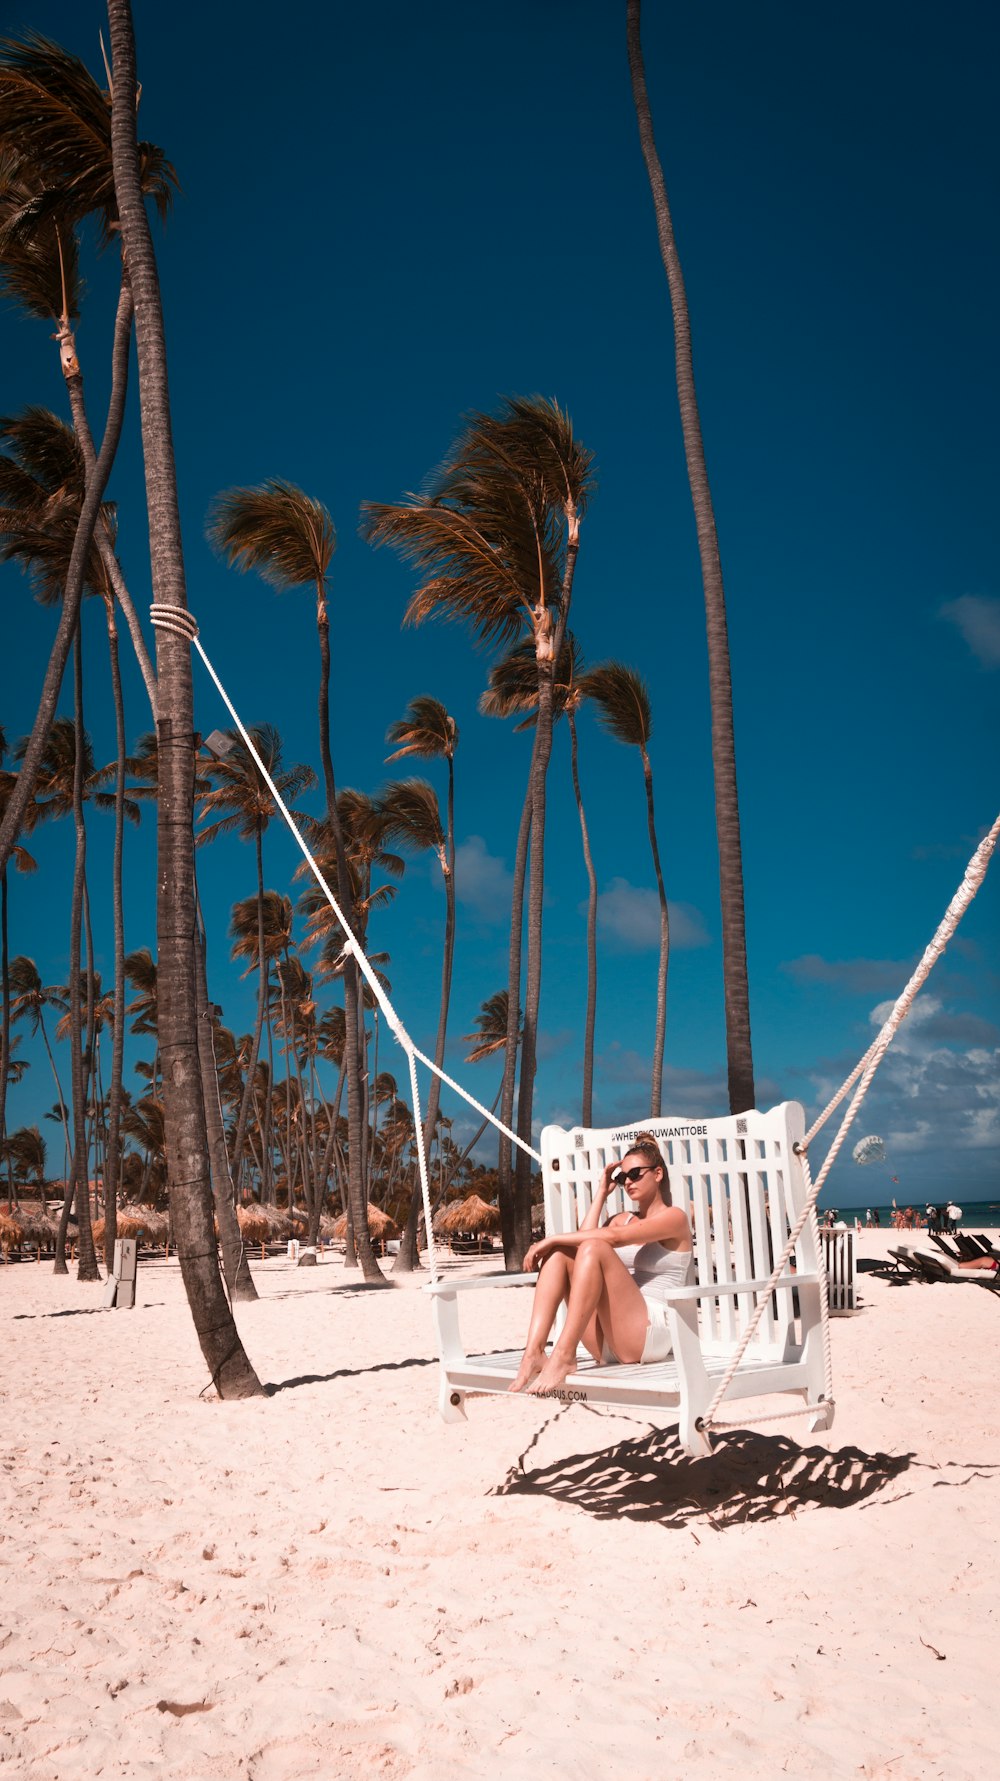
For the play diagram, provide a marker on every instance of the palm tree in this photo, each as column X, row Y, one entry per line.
column 513, row 687
column 42, row 486
column 727, row 814
column 25, row 1154
column 56, row 133
column 260, row 928
column 211, row 1036
column 622, row 699
column 240, row 802
column 489, row 1038
column 29, row 1000
column 289, row 538
column 42, row 483
column 65, row 780
column 24, row 862
column 495, row 541
column 361, row 852
column 186, row 1136
column 413, row 819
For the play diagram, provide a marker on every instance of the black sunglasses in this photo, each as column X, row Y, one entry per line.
column 627, row 1176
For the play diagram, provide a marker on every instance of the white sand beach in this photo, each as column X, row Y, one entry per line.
column 330, row 1582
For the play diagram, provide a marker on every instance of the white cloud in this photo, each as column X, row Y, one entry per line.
column 628, row 916
column 930, row 1096
column 978, row 619
column 482, row 881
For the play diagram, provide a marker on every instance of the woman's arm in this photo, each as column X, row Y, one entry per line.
column 668, row 1225
column 599, row 1201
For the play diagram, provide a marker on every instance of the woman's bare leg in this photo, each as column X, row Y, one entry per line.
column 551, row 1288
column 601, row 1288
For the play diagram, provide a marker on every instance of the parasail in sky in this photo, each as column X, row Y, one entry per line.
column 869, row 1150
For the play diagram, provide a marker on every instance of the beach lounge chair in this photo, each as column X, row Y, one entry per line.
column 972, row 1246
column 949, row 1250
column 742, row 1185
column 936, row 1267
column 903, row 1263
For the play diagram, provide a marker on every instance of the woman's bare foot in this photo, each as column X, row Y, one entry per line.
column 531, row 1366
column 552, row 1376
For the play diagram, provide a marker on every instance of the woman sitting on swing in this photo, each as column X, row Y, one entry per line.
column 614, row 1278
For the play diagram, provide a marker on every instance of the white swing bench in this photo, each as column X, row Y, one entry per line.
column 742, row 1186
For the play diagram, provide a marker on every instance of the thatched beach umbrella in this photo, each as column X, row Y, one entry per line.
column 26, row 1224
column 143, row 1221
column 255, row 1226
column 11, row 1232
column 471, row 1216
column 380, row 1225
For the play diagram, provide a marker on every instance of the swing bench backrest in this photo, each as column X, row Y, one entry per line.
column 741, row 1185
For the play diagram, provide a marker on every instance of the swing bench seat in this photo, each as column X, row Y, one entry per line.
column 741, row 1185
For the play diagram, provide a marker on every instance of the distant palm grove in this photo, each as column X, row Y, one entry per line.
column 222, row 1138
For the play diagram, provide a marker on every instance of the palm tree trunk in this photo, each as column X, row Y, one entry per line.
column 656, row 1090
column 353, row 1013
column 82, row 1061
column 5, row 1028
column 727, row 815
column 24, row 784
column 234, row 1261
column 407, row 1258
column 248, row 1087
column 112, row 1153
column 533, row 968
column 505, row 1188
column 184, row 1107
column 55, row 1074
column 325, row 1166
column 587, row 1112
column 541, row 755
column 102, row 538
column 124, row 598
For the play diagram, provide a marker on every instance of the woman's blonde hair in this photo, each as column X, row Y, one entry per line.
column 645, row 1145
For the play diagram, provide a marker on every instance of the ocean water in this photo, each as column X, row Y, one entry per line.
column 977, row 1215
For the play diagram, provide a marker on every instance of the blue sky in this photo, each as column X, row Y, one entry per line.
column 388, row 220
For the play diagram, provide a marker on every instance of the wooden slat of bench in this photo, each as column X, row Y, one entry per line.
column 655, row 1382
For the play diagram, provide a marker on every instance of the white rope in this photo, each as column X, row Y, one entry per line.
column 425, row 1188
column 183, row 624
column 973, row 877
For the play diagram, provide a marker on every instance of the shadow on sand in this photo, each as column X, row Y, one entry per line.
column 383, row 1366
column 349, row 1286
column 750, row 1477
column 83, row 1311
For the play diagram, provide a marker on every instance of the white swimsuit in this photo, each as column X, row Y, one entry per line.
column 657, row 1272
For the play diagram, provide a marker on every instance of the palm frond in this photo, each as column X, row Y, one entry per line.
column 491, row 1024
column 54, row 114
column 425, row 729
column 471, row 576
column 411, row 814
column 47, row 450
column 622, row 700
column 39, row 254
column 513, row 682
column 284, row 534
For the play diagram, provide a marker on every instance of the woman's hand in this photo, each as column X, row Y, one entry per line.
column 534, row 1257
column 607, row 1185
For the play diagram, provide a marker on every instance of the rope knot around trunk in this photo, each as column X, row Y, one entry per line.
column 176, row 619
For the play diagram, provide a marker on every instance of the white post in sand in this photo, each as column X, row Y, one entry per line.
column 119, row 1294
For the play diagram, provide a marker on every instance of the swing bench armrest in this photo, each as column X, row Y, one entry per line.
column 442, row 1289
column 728, row 1288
